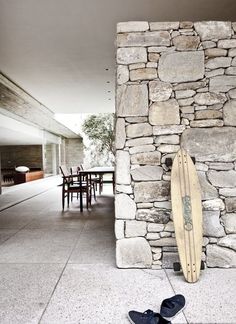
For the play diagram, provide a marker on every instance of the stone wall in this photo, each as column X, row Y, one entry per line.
column 176, row 86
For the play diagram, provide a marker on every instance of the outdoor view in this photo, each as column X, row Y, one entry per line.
column 97, row 131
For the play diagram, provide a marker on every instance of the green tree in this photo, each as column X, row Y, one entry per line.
column 100, row 131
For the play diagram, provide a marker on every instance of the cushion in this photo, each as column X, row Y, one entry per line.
column 22, row 169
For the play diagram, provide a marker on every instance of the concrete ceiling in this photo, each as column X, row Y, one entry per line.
column 59, row 50
column 15, row 102
column 13, row 137
column 13, row 132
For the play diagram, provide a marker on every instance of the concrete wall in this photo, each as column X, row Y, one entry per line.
column 176, row 86
column 51, row 159
column 48, row 157
column 16, row 155
column 74, row 154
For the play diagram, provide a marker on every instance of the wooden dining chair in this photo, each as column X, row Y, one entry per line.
column 96, row 179
column 76, row 170
column 70, row 186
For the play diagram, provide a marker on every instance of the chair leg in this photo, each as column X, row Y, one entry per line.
column 63, row 199
column 68, row 199
column 94, row 191
column 87, row 198
column 81, row 200
column 63, row 195
column 100, row 184
column 100, row 188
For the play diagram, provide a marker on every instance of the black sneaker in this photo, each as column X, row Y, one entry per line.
column 170, row 307
column 148, row 317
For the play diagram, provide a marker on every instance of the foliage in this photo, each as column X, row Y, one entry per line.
column 100, row 131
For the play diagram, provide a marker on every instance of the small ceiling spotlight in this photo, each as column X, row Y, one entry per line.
column 108, row 81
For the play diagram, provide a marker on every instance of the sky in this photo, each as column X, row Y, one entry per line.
column 73, row 122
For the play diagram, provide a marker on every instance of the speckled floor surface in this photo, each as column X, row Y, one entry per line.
column 59, row 267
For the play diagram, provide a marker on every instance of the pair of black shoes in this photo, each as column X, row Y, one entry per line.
column 170, row 307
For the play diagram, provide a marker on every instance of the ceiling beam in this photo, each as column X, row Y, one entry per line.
column 23, row 106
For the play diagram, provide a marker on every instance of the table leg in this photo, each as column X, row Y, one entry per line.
column 113, row 182
column 81, row 193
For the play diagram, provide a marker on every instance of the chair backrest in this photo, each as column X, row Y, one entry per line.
column 67, row 179
column 64, row 170
column 74, row 170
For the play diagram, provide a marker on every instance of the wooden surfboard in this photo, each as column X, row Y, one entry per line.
column 187, row 214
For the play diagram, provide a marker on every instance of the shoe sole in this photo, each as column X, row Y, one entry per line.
column 130, row 319
column 135, row 323
column 171, row 318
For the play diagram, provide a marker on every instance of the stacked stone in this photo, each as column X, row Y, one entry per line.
column 176, row 85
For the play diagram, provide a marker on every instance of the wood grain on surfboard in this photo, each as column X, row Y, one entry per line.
column 187, row 214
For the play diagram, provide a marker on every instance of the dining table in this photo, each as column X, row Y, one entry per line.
column 96, row 171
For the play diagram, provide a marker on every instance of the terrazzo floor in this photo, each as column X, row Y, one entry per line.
column 59, row 267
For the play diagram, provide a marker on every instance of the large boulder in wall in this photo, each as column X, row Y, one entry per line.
column 210, row 144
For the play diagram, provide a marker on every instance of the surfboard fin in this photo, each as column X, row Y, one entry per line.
column 176, row 266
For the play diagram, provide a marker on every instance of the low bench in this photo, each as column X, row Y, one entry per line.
column 29, row 176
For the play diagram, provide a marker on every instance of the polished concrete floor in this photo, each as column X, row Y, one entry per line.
column 59, row 267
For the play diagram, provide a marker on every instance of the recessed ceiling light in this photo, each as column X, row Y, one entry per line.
column 109, row 91
column 107, row 69
column 108, row 81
